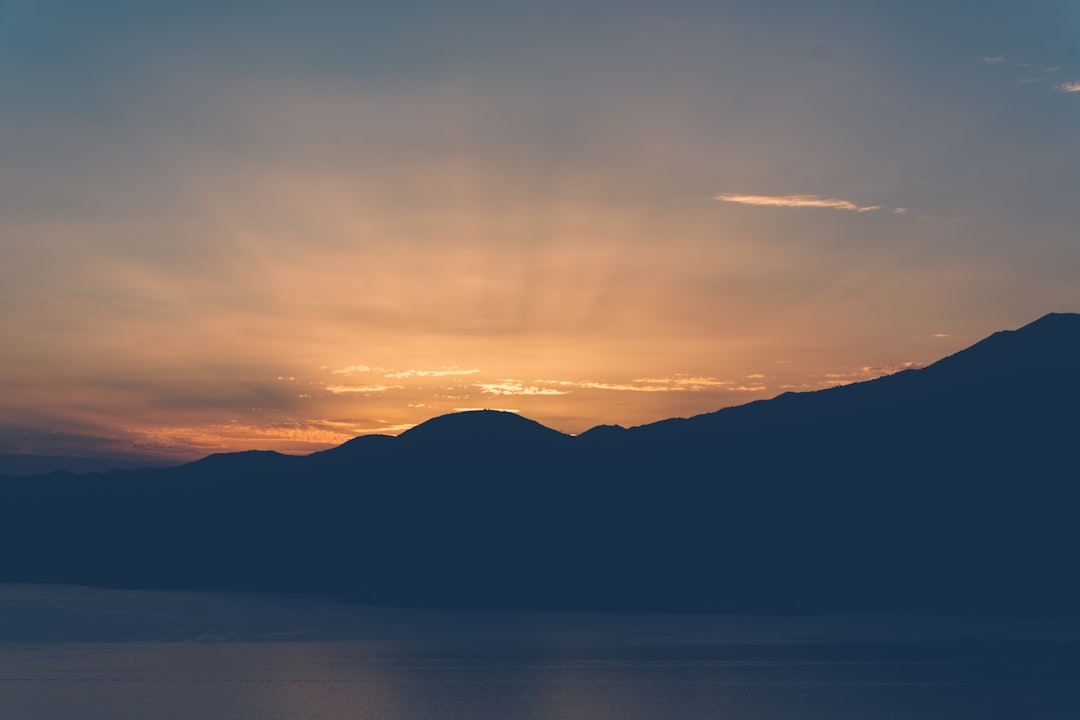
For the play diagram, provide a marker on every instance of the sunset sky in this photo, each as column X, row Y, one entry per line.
column 232, row 225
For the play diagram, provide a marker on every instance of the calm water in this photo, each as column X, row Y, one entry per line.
column 86, row 654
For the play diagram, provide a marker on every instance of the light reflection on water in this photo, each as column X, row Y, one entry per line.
column 95, row 655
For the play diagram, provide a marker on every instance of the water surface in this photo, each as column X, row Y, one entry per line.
column 93, row 654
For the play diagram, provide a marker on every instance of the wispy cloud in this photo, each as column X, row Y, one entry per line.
column 867, row 372
column 796, row 201
column 1069, row 86
column 437, row 372
column 442, row 371
column 383, row 429
column 352, row 370
column 344, row 389
column 588, row 385
column 675, row 383
column 879, row 370
column 290, row 436
column 685, row 382
column 512, row 387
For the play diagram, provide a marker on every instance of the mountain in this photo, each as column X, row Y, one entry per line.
column 948, row 488
column 15, row 464
column 479, row 425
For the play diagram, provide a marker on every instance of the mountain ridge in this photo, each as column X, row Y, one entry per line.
column 947, row 488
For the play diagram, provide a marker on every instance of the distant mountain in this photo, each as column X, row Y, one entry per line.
column 953, row 487
column 16, row 464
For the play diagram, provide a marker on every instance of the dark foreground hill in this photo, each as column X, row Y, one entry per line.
column 954, row 487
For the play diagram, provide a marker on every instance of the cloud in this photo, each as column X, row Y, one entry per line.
column 676, row 383
column 383, row 429
column 879, row 370
column 1069, row 86
column 615, row 386
column 295, row 436
column 438, row 372
column 342, row 389
column 441, row 371
column 795, row 201
column 352, row 370
column 683, row 382
column 512, row 387
column 867, row 372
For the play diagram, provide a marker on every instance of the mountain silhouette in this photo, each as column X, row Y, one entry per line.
column 494, row 430
column 14, row 464
column 952, row 487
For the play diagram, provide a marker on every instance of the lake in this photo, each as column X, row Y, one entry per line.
column 70, row 652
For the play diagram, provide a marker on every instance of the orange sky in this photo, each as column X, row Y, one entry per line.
column 224, row 230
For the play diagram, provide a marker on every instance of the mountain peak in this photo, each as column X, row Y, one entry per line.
column 481, row 425
column 603, row 433
column 1051, row 324
column 1057, row 317
column 1051, row 342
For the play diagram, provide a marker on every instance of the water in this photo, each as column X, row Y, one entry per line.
column 90, row 654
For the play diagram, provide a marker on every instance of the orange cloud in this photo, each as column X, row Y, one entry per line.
column 677, row 383
column 352, row 370
column 511, row 387
column 342, row 389
column 439, row 372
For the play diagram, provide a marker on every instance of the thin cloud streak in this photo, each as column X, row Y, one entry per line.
column 515, row 388
column 867, row 372
column 1069, row 86
column 343, row 389
column 796, row 201
column 652, row 384
column 352, row 370
column 295, row 436
column 447, row 371
column 441, row 372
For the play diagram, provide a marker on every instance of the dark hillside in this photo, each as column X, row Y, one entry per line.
column 950, row 488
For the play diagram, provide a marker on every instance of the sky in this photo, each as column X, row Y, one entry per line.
column 233, row 225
